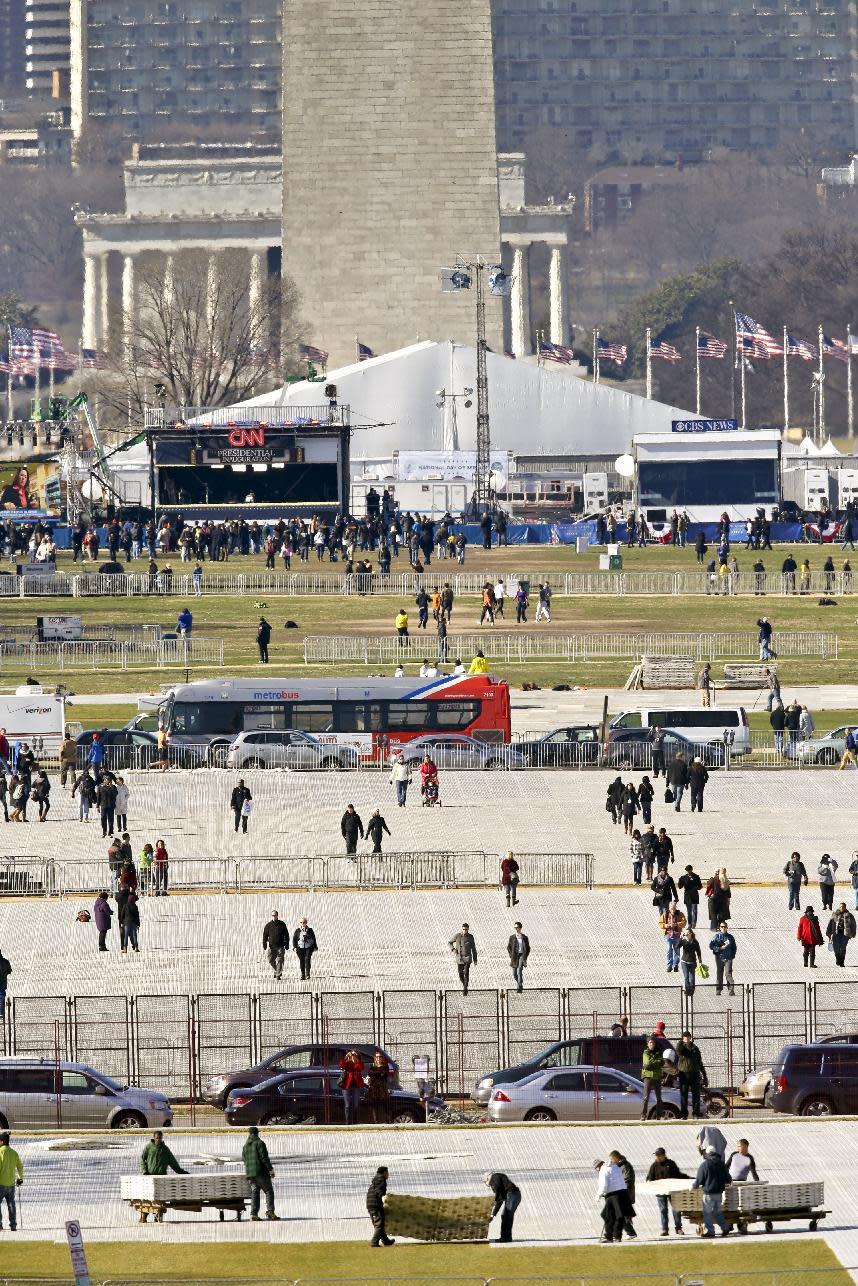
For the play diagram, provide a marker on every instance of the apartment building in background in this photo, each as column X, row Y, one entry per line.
column 654, row 79
column 12, row 44
column 146, row 64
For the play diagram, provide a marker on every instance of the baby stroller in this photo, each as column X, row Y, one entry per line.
column 430, row 792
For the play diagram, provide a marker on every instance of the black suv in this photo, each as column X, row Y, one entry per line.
column 624, row 1053
column 815, row 1080
column 294, row 1058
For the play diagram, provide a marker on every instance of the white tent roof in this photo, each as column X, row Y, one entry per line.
column 806, row 447
column 828, row 448
column 533, row 410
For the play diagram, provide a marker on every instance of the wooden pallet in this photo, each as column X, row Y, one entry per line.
column 746, row 674
column 664, row 672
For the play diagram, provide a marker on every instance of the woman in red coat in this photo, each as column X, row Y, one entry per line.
column 809, row 935
column 352, row 1085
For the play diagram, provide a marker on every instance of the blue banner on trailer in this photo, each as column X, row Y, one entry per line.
column 704, row 426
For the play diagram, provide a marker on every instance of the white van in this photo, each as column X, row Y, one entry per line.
column 697, row 723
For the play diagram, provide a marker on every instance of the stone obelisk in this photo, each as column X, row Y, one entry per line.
column 389, row 167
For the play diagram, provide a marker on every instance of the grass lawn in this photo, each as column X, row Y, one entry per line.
column 234, row 619
column 357, row 1262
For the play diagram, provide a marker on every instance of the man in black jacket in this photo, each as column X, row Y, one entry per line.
column 677, row 778
column 376, row 827
column 237, row 799
column 691, row 884
column 518, row 948
column 375, row 1206
column 263, row 638
column 275, row 939
column 664, row 891
column 304, row 944
column 507, row 1198
column 657, row 741
column 692, row 1074
column 697, row 779
column 795, row 873
column 777, row 719
column 350, row 827
column 105, row 797
column 664, row 1168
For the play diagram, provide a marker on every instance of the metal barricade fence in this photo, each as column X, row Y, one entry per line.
column 28, row 877
column 93, row 654
column 172, row 1039
column 401, row 581
column 379, row 649
column 557, row 868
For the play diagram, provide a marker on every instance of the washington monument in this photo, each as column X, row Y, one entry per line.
column 390, row 167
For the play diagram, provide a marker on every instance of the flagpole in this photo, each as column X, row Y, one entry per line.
column 539, row 335
column 697, row 366
column 821, row 392
column 786, row 380
column 850, row 404
column 733, row 366
column 648, row 364
column 51, row 381
column 9, row 405
column 742, row 387
column 357, row 350
column 38, row 388
column 595, row 355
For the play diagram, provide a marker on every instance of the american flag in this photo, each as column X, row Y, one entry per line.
column 754, row 339
column 507, row 352
column 91, row 359
column 658, row 348
column 609, row 352
column 21, row 344
column 47, row 341
column 364, row 352
column 709, row 346
column 5, row 364
column 834, row 348
column 313, row 354
column 62, row 361
column 556, row 352
column 801, row 348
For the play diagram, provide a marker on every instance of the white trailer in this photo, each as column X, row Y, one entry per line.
column 807, row 488
column 33, row 714
column 595, row 492
column 847, row 487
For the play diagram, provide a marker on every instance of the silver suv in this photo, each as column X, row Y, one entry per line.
column 41, row 1093
column 288, row 750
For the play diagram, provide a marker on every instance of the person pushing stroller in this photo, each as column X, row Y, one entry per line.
column 429, row 788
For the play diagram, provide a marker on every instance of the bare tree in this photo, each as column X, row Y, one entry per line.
column 201, row 336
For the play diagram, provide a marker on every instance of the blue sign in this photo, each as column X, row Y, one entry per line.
column 703, row 426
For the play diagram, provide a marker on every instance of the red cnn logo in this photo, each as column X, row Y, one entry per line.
column 247, row 437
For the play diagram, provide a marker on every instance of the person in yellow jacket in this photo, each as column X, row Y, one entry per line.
column 11, row 1176
column 479, row 665
column 401, row 623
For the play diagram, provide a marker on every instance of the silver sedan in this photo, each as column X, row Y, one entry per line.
column 823, row 748
column 455, row 750
column 575, row 1094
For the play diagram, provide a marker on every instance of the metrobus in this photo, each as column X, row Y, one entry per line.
column 367, row 714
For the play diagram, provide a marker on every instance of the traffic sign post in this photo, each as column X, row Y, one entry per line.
column 77, row 1252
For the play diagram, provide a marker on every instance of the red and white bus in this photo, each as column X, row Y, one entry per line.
column 371, row 715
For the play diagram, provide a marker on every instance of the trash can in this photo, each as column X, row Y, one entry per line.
column 615, row 562
column 582, row 544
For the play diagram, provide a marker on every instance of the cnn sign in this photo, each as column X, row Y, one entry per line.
column 247, row 437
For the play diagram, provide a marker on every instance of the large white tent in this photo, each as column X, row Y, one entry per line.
column 533, row 410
